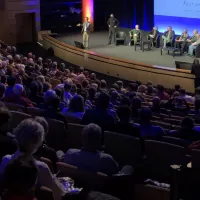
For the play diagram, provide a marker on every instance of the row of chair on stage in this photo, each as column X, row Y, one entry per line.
column 145, row 39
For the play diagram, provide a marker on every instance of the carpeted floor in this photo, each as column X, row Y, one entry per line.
column 98, row 44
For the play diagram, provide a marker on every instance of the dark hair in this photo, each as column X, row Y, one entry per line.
column 20, row 176
column 145, row 115
column 161, row 88
column 34, row 87
column 103, row 100
column 71, row 69
column 85, row 84
column 3, row 79
column 77, row 104
column 91, row 93
column 182, row 91
column 177, row 87
column 187, row 122
column 125, row 101
column 59, row 92
column 11, row 81
column 124, row 113
column 67, row 86
column 46, row 86
column 133, row 86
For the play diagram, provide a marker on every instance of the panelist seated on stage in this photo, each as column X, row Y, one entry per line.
column 153, row 35
column 190, row 40
column 179, row 40
column 135, row 34
column 168, row 36
column 193, row 46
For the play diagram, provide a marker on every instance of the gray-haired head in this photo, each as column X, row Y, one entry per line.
column 41, row 79
column 91, row 137
column 49, row 94
column 18, row 89
column 29, row 135
column 44, row 123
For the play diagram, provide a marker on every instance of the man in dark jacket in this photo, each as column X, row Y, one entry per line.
column 112, row 24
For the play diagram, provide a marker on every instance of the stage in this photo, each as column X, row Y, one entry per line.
column 98, row 44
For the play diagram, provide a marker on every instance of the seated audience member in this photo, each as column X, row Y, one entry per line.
column 73, row 90
column 124, row 125
column 188, row 98
column 100, row 115
column 46, row 87
column 17, row 96
column 72, row 74
column 125, row 101
column 2, row 91
column 150, row 90
column 20, row 179
column 51, row 106
column 135, row 34
column 179, row 41
column 114, row 98
column 8, row 143
column 103, row 86
column 155, row 108
column 62, row 67
column 98, row 161
column 11, row 82
column 91, row 96
column 41, row 79
column 153, row 35
column 196, row 71
column 54, row 69
column 147, row 130
column 76, row 107
column 162, row 94
column 168, row 36
column 136, row 106
column 177, row 88
column 141, row 92
column 121, row 87
column 30, row 136
column 193, row 46
column 44, row 150
column 34, row 93
column 187, row 131
column 67, row 95
column 190, row 40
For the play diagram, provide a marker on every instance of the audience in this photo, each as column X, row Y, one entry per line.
column 162, row 94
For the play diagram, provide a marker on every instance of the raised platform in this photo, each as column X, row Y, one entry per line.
column 114, row 61
column 98, row 44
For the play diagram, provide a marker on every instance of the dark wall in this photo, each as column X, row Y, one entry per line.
column 129, row 12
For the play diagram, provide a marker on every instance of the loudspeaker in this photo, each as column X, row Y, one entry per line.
column 78, row 45
column 183, row 65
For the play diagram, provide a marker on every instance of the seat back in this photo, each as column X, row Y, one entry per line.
column 159, row 157
column 14, row 107
column 126, row 150
column 176, row 141
column 82, row 178
column 17, row 118
column 35, row 111
column 144, row 36
column 74, row 132
column 195, row 159
column 57, row 136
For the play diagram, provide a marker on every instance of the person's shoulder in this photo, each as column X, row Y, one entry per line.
column 105, row 156
column 73, row 151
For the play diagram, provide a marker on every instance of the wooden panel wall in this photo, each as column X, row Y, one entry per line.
column 13, row 7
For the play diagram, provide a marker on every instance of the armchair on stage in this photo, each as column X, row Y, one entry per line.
column 120, row 37
column 197, row 51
